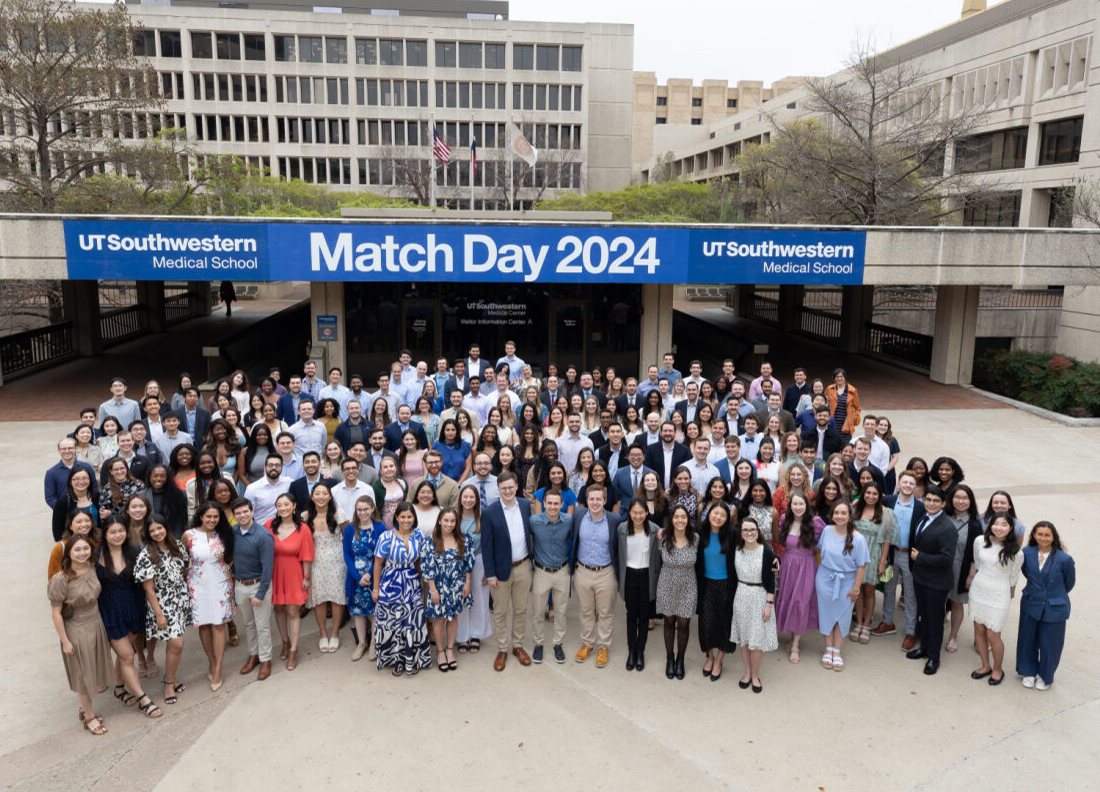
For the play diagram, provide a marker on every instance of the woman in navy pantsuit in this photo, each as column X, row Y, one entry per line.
column 1044, row 606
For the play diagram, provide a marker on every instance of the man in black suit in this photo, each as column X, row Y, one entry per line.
column 302, row 488
column 588, row 388
column 786, row 420
column 931, row 553
column 404, row 423
column 667, row 455
column 506, row 551
column 631, row 397
column 476, row 365
column 377, row 450
column 824, row 437
column 689, row 408
column 550, row 393
column 194, row 418
column 457, row 381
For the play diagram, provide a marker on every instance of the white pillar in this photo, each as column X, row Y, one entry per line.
column 656, row 325
column 953, row 339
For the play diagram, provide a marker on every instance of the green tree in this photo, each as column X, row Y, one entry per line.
column 668, row 202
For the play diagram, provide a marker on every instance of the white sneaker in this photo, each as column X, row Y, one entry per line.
column 324, row 645
column 1029, row 682
column 1040, row 684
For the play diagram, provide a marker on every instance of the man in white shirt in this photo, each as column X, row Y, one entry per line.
column 397, row 383
column 171, row 436
column 393, row 400
column 475, row 364
column 118, row 406
column 718, row 431
column 308, row 434
column 408, row 370
column 504, row 390
column 695, row 374
column 750, row 440
column 476, row 403
column 336, row 391
column 515, row 364
column 572, row 443
column 880, row 450
column 263, row 492
column 702, row 471
column 153, row 421
column 667, row 401
column 351, row 489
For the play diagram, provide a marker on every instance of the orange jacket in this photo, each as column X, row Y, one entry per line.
column 854, row 419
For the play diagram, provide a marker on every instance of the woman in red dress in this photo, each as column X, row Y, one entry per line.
column 290, row 575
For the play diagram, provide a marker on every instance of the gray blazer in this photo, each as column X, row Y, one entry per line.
column 654, row 558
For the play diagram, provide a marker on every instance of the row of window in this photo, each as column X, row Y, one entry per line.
column 1060, row 143
column 367, row 51
column 392, row 93
column 314, row 130
column 312, row 90
column 662, row 101
column 316, row 170
column 546, row 97
column 227, row 87
column 232, row 129
column 98, row 125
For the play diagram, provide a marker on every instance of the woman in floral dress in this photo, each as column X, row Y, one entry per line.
column 448, row 567
column 209, row 543
column 400, row 633
column 360, row 540
column 329, row 572
column 161, row 568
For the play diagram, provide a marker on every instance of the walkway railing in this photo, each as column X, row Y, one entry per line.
column 24, row 352
column 766, row 307
column 181, row 306
column 122, row 324
column 821, row 325
column 901, row 346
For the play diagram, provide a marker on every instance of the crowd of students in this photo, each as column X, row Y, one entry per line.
column 443, row 505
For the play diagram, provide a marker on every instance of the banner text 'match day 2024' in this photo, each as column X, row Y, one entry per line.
column 281, row 251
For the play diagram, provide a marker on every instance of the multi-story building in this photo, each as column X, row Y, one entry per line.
column 346, row 95
column 1028, row 65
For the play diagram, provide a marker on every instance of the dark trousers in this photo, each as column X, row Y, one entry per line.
column 930, row 611
column 636, row 592
column 1039, row 647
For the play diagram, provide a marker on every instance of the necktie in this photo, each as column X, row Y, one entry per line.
column 923, row 524
column 635, row 488
column 481, row 485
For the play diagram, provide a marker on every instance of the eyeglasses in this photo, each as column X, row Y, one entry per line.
column 750, row 530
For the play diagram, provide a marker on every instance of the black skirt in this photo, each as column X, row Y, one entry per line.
column 715, row 616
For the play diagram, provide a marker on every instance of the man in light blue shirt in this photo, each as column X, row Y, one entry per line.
column 484, row 480
column 291, row 462
column 414, row 385
column 750, row 440
column 441, row 375
column 595, row 581
column 515, row 364
column 308, row 434
column 550, row 533
column 336, row 391
column 171, row 436
column 650, row 383
column 118, row 406
column 669, row 372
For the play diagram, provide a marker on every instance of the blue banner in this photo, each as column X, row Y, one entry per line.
column 282, row 251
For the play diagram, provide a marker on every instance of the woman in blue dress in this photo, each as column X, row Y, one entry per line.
column 455, row 450
column 448, row 568
column 360, row 540
column 400, row 633
column 844, row 559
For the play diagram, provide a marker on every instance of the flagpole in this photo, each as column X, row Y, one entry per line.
column 431, row 157
column 473, row 140
column 511, row 158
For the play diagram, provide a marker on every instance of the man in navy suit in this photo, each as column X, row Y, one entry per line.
column 727, row 465
column 594, row 564
column 667, row 455
column 287, row 410
column 931, row 553
column 459, row 381
column 908, row 513
column 689, row 407
column 506, row 552
column 629, row 478
column 302, row 488
column 404, row 422
column 630, row 398
column 550, row 392
column 476, row 365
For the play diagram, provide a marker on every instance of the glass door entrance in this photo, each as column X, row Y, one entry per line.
column 568, row 331
column 420, row 329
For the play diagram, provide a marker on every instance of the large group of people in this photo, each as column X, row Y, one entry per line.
column 454, row 506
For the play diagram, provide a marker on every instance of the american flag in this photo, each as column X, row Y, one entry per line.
column 473, row 153
column 440, row 149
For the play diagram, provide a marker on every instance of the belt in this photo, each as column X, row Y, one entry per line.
column 747, row 583
column 248, row 582
column 902, row 549
column 551, row 570
column 594, row 568
column 517, row 563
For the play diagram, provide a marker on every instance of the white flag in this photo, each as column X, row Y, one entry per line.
column 522, row 149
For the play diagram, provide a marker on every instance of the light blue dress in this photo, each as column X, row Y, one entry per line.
column 836, row 576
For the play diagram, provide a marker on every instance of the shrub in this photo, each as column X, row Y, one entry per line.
column 1051, row 381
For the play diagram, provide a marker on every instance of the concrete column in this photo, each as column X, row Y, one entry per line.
column 151, row 295
column 201, row 290
column 790, row 305
column 327, row 299
column 1035, row 208
column 82, row 309
column 856, row 307
column 953, row 339
column 656, row 324
column 744, row 295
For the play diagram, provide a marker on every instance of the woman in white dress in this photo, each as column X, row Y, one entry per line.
column 993, row 576
column 210, row 546
column 753, row 625
column 329, row 571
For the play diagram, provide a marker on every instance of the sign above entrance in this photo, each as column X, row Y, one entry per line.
column 284, row 251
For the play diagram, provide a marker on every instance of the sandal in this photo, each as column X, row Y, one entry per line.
column 453, row 665
column 94, row 724
column 838, row 662
column 397, row 671
column 795, row 657
column 475, row 645
column 853, row 635
column 463, row 648
column 150, row 710
column 127, row 698
column 151, row 669
column 952, row 646
column 176, row 688
column 864, row 635
column 827, row 659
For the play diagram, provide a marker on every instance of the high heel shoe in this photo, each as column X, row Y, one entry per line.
column 285, row 649
column 680, row 666
column 670, row 667
column 291, row 659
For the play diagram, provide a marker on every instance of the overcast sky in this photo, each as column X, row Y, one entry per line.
column 739, row 40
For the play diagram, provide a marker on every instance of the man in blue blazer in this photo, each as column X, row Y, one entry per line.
column 395, row 430
column 594, row 563
column 287, row 409
column 1044, row 607
column 626, row 475
column 506, row 553
column 931, row 554
column 655, row 454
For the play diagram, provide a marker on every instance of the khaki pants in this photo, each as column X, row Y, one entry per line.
column 544, row 583
column 257, row 621
column 596, row 593
column 511, row 595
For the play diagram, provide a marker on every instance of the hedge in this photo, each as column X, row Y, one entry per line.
column 1048, row 380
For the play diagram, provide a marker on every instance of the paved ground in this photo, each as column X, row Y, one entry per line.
column 881, row 725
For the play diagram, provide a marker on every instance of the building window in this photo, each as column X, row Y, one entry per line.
column 1061, row 141
column 1002, row 211
column 201, row 45
column 696, row 121
column 445, row 55
column 391, row 52
column 662, row 120
column 571, row 59
column 366, row 52
column 170, row 44
column 285, row 49
column 696, row 101
column 546, row 57
column 255, row 47
column 469, row 56
column 229, row 46
column 662, row 101
column 416, row 53
column 145, row 43
column 494, row 56
column 523, row 56
column 1061, row 211
column 1003, row 150
column 336, row 50
column 309, row 49
column 731, row 103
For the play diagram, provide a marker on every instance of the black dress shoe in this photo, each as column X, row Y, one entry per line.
column 639, row 662
column 932, row 666
column 993, row 681
column 680, row 672
column 916, row 654
column 743, row 684
column 630, row 660
column 982, row 675
column 757, row 688
column 670, row 667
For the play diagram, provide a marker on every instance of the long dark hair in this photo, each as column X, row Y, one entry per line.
column 173, row 459
column 669, row 540
column 806, row 527
column 746, row 502
column 330, row 510
column 630, row 522
column 224, row 532
column 254, row 445
column 103, row 552
column 972, row 512
column 437, row 532
column 1010, row 545
column 988, row 515
column 69, row 483
column 909, row 466
column 277, row 520
column 877, row 518
column 173, row 545
column 1055, row 545
column 542, row 467
column 723, row 531
column 67, row 554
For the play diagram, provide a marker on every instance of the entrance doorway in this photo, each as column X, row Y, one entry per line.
column 568, row 331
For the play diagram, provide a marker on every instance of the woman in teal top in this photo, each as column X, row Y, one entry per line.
column 456, row 451
column 714, row 575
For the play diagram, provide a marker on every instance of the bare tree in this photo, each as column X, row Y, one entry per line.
column 555, row 169
column 877, row 148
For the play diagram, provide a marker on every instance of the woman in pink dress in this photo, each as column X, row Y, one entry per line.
column 794, row 542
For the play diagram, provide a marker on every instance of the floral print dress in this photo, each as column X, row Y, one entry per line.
column 208, row 580
column 449, row 571
column 170, row 587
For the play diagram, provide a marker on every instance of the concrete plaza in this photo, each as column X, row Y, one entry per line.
column 880, row 725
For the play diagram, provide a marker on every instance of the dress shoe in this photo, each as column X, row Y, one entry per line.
column 680, row 672
column 502, row 658
column 250, row 666
column 284, row 650
column 908, row 643
column 601, row 657
column 522, row 656
column 265, row 670
column 639, row 662
column 670, row 667
column 884, row 628
column 630, row 660
column 291, row 659
column 932, row 666
column 536, row 655
column 583, row 653
column 981, row 674
column 916, row 654
column 993, row 681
